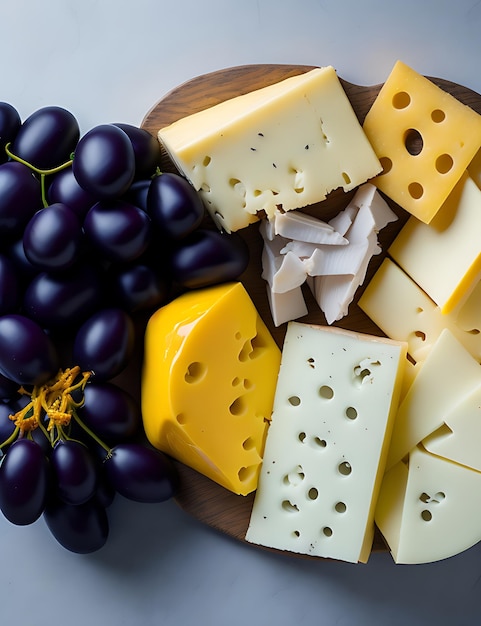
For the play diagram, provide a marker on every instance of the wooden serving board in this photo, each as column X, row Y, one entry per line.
column 199, row 496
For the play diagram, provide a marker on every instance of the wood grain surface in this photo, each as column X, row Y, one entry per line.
column 199, row 496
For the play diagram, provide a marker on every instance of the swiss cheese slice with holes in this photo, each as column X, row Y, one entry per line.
column 336, row 397
column 428, row 508
column 425, row 139
column 284, row 146
column 208, row 383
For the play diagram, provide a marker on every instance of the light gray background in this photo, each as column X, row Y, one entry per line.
column 111, row 61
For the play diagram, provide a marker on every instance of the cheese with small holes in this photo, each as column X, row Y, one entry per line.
column 403, row 311
column 447, row 375
column 424, row 138
column 326, row 446
column 428, row 508
column 444, row 257
column 208, row 383
column 285, row 146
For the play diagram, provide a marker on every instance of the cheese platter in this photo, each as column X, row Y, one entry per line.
column 199, row 496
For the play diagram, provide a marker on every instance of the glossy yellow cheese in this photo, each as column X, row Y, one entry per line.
column 208, row 384
column 411, row 113
column 444, row 257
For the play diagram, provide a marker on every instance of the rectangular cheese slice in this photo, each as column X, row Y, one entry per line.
column 403, row 311
column 425, row 139
column 283, row 146
column 444, row 257
column 325, row 451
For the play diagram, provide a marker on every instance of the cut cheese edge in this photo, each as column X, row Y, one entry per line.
column 425, row 139
column 209, row 376
column 286, row 145
column 428, row 508
column 326, row 446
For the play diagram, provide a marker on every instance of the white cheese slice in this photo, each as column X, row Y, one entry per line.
column 286, row 306
column 448, row 374
column 458, row 440
column 428, row 509
column 286, row 145
column 325, row 450
column 302, row 227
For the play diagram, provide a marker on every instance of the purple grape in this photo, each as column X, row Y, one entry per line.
column 137, row 193
column 16, row 254
column 139, row 287
column 207, row 257
column 141, row 473
column 52, row 238
column 47, row 138
column 74, row 472
column 27, row 355
column 57, row 300
column 146, row 150
column 110, row 412
column 174, row 205
column 118, row 230
column 20, row 198
column 9, row 286
column 104, row 162
column 24, row 482
column 104, row 343
column 82, row 528
column 65, row 189
column 10, row 122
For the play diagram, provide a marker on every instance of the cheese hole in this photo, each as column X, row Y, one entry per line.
column 416, row 190
column 340, row 507
column 195, row 372
column 257, row 192
column 296, row 533
column 252, row 348
column 205, row 188
column 426, row 515
column 238, row 407
column 438, row 116
column 181, row 419
column 206, row 161
column 249, row 444
column 247, row 384
column 401, row 100
column 327, row 531
column 386, row 164
column 444, row 163
column 295, row 477
column 351, row 413
column 322, row 443
column 246, row 474
column 326, row 392
column 413, row 141
column 346, row 178
column 312, row 363
column 236, row 381
column 420, row 335
column 439, row 497
column 294, row 400
column 344, row 468
column 313, row 493
column 419, row 309
column 289, row 507
column 302, row 437
column 473, row 331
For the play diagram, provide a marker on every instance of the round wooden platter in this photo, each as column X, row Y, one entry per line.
column 198, row 495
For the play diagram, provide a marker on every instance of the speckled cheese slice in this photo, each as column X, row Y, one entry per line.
column 335, row 400
column 286, row 145
column 420, row 174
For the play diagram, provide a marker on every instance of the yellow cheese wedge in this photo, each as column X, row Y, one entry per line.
column 444, row 257
column 208, row 384
column 411, row 113
column 286, row 145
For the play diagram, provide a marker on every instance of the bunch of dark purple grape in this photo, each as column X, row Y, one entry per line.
column 93, row 238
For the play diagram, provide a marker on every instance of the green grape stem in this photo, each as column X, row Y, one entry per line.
column 40, row 172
